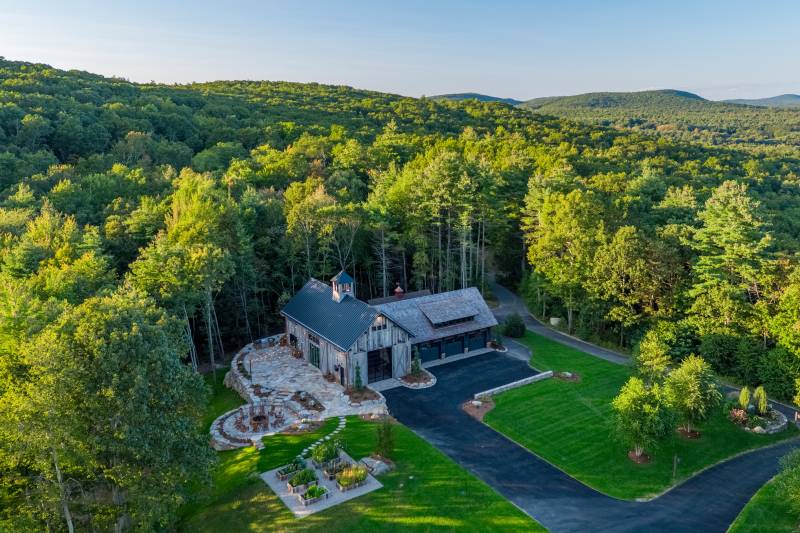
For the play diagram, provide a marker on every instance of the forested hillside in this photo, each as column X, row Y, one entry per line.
column 148, row 229
column 683, row 116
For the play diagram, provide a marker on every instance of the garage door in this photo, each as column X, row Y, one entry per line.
column 454, row 346
column 477, row 340
column 429, row 352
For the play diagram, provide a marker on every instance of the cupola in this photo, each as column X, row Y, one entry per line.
column 342, row 285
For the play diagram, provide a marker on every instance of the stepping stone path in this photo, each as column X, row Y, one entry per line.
column 307, row 450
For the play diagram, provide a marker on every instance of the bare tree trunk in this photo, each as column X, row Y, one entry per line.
column 216, row 326
column 483, row 256
column 63, row 494
column 190, row 338
column 405, row 276
column 210, row 333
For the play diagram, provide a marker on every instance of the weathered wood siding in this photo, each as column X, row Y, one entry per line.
column 331, row 358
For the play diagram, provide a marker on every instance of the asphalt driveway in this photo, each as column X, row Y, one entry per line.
column 708, row 502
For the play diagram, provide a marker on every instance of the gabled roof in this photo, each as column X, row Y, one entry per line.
column 464, row 302
column 342, row 277
column 340, row 323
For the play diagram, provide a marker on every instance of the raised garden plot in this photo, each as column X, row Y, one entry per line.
column 311, row 491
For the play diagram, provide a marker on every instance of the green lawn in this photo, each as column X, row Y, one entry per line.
column 571, row 426
column 766, row 512
column 427, row 491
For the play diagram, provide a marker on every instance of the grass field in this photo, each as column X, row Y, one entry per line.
column 766, row 512
column 571, row 426
column 427, row 491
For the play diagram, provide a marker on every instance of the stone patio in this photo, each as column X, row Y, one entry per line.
column 281, row 391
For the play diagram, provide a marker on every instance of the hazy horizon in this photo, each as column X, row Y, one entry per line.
column 506, row 49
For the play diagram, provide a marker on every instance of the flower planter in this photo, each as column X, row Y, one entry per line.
column 310, row 501
column 300, row 489
column 285, row 473
column 332, row 468
column 351, row 487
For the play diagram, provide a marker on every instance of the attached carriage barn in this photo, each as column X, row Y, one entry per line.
column 342, row 335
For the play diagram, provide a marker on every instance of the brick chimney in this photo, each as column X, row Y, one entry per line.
column 399, row 292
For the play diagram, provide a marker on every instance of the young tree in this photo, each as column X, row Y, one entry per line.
column 385, row 446
column 692, row 390
column 760, row 399
column 643, row 416
column 652, row 358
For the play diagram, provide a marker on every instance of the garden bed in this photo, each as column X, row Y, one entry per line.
column 313, row 495
column 572, row 377
column 364, row 395
column 308, row 402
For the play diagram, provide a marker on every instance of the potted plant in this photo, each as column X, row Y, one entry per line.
column 302, row 480
column 289, row 470
column 313, row 495
column 327, row 451
column 351, row 477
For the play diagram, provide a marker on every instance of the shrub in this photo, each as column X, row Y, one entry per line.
column 385, row 446
column 359, row 383
column 352, row 476
column 304, row 476
column 324, row 452
column 514, row 326
column 749, row 352
column 738, row 416
column 720, row 351
column 416, row 366
column 760, row 399
column 744, row 398
column 777, row 371
column 789, row 479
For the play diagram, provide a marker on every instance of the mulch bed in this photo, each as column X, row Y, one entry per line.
column 309, row 402
column 309, row 427
column 362, row 395
column 422, row 378
column 688, row 435
column 475, row 411
column 572, row 378
column 641, row 460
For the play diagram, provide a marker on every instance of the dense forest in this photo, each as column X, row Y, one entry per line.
column 762, row 124
column 148, row 230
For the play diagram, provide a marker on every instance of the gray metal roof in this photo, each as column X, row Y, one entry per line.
column 342, row 277
column 410, row 314
column 406, row 296
column 340, row 323
column 441, row 311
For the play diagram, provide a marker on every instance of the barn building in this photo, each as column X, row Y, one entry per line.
column 343, row 336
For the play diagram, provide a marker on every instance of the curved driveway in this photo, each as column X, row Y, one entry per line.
column 708, row 502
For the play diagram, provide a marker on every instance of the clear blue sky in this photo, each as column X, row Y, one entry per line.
column 719, row 49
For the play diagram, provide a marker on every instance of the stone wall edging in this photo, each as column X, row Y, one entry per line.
column 513, row 385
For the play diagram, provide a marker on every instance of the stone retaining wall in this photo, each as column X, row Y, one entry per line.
column 514, row 385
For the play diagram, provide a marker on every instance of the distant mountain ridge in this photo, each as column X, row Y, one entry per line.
column 661, row 97
column 782, row 100
column 476, row 96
